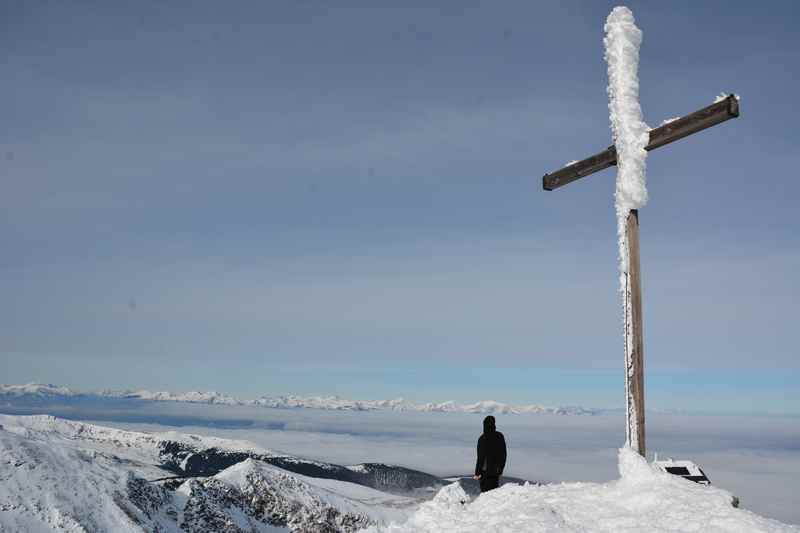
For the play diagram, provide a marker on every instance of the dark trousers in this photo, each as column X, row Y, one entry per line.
column 489, row 482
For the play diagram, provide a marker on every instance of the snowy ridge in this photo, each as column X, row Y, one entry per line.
column 251, row 494
column 42, row 426
column 188, row 397
column 172, row 454
column 643, row 499
column 52, row 392
column 36, row 389
column 63, row 476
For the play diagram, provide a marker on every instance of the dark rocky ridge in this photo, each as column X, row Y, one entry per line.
column 188, row 461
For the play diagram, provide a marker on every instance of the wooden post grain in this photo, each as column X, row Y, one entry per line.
column 634, row 340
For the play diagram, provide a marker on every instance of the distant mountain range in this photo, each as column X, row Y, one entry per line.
column 34, row 391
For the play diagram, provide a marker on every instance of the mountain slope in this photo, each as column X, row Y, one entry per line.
column 62, row 476
column 57, row 475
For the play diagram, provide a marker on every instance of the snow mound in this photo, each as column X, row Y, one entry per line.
column 643, row 499
column 633, row 468
column 453, row 495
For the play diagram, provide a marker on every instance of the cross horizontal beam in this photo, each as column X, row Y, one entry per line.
column 665, row 134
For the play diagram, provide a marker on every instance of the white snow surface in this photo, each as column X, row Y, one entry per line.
column 642, row 499
column 669, row 120
column 63, row 476
column 630, row 132
column 723, row 96
column 42, row 427
column 310, row 491
column 50, row 482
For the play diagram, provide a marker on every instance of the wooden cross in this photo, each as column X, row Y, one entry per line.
column 712, row 115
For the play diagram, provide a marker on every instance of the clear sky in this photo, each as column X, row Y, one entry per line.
column 345, row 198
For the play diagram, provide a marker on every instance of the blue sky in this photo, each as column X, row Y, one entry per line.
column 274, row 197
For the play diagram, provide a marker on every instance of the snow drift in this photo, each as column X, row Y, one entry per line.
column 642, row 499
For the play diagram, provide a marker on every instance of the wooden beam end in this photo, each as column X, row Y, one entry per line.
column 733, row 106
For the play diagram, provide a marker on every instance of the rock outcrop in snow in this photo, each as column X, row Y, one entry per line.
column 250, row 494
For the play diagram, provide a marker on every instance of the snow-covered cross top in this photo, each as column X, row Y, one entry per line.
column 632, row 140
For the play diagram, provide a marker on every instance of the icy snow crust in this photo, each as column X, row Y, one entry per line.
column 643, row 499
column 630, row 132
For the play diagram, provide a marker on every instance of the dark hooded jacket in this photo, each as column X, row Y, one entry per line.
column 491, row 451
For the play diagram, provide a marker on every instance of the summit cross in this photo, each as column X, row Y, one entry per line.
column 720, row 111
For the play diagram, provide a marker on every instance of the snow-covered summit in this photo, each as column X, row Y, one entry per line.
column 642, row 499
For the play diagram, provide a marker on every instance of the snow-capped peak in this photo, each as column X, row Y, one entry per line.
column 294, row 402
column 38, row 389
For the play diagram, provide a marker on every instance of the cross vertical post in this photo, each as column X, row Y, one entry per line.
column 634, row 339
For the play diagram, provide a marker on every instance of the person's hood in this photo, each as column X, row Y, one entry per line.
column 488, row 424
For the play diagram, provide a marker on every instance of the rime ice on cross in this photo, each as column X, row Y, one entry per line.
column 632, row 140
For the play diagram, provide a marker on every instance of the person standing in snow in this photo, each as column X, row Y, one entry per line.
column 491, row 456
